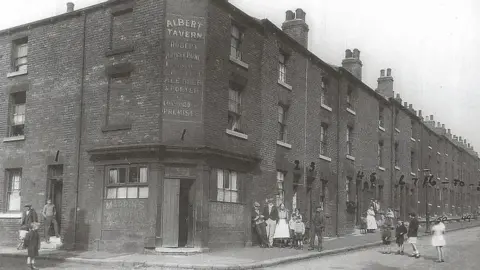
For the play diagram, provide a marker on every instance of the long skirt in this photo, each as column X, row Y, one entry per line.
column 282, row 231
column 371, row 223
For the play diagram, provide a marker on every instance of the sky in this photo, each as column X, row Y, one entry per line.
column 430, row 45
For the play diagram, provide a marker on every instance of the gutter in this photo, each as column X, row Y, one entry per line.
column 79, row 129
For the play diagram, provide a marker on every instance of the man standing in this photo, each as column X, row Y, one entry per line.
column 270, row 214
column 412, row 234
column 29, row 216
column 317, row 229
column 49, row 213
column 259, row 222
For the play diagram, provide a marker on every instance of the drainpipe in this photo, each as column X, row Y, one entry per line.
column 339, row 103
column 392, row 160
column 79, row 128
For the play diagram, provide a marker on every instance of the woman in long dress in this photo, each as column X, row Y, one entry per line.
column 371, row 222
column 282, row 232
column 438, row 240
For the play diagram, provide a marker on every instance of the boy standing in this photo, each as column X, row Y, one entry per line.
column 32, row 242
column 412, row 234
column 386, row 238
column 318, row 227
column 400, row 232
column 299, row 232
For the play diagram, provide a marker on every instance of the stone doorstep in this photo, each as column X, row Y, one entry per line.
column 181, row 251
column 55, row 243
column 254, row 265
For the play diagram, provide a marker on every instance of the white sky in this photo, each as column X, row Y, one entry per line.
column 431, row 45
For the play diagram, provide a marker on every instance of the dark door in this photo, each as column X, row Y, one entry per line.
column 55, row 192
column 57, row 201
column 185, row 224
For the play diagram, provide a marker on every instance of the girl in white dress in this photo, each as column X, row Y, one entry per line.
column 371, row 222
column 438, row 239
column 282, row 231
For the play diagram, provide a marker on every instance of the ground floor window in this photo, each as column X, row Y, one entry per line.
column 227, row 190
column 14, row 179
column 127, row 182
column 280, row 187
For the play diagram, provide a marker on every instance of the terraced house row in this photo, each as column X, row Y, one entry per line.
column 158, row 123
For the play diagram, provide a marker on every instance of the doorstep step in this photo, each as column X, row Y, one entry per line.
column 181, row 251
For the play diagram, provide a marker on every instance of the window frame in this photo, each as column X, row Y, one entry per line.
column 396, row 148
column 381, row 118
column 127, row 184
column 234, row 115
column 380, row 153
column 236, row 42
column 349, row 142
column 412, row 161
column 324, row 139
column 12, row 114
column 282, row 125
column 348, row 188
column 397, row 119
column 282, row 67
column 231, row 189
column 349, row 98
column 324, row 92
column 9, row 172
column 280, row 198
column 16, row 45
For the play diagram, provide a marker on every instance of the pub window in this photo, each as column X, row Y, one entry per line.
column 227, row 190
column 127, row 182
column 17, row 114
column 236, row 42
column 20, row 53
column 280, row 187
column 14, row 181
column 234, row 109
column 282, row 67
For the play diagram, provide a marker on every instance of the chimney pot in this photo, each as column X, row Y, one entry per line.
column 356, row 53
column 382, row 73
column 389, row 72
column 405, row 104
column 410, row 106
column 438, row 124
column 289, row 15
column 468, row 145
column 348, row 53
column 443, row 126
column 70, row 6
column 398, row 95
column 300, row 14
column 449, row 131
column 431, row 117
column 420, row 113
column 465, row 141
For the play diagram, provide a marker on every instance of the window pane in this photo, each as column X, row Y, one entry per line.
column 281, row 58
column 280, row 114
column 233, row 180
column 14, row 201
column 133, row 175
column 16, row 179
column 111, row 193
column 122, row 175
column 228, row 196
column 219, row 178
column 22, row 50
column 280, row 176
column 121, row 193
column 113, row 176
column 226, row 179
column 143, row 174
column 235, row 32
column 234, row 196
column 132, row 192
column 143, row 192
column 220, row 195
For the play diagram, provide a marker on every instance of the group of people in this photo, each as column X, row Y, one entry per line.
column 274, row 224
column 410, row 235
column 29, row 237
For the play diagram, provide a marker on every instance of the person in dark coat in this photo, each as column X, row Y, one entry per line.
column 318, row 228
column 260, row 226
column 32, row 242
column 400, row 232
column 29, row 216
column 413, row 234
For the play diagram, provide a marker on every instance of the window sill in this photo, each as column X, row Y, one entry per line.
column 397, row 130
column 121, row 50
column 236, row 134
column 116, row 127
column 238, row 62
column 429, row 147
column 14, row 139
column 325, row 158
column 397, row 168
column 438, row 153
column 326, row 107
column 381, row 168
column 413, row 174
column 17, row 73
column 284, row 84
column 447, row 156
column 11, row 215
column 352, row 158
column 381, row 128
column 412, row 139
column 284, row 144
column 351, row 111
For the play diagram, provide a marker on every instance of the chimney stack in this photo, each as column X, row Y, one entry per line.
column 296, row 27
column 385, row 83
column 420, row 114
column 399, row 99
column 70, row 7
column 352, row 63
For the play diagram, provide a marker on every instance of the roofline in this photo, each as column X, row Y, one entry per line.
column 59, row 17
column 364, row 86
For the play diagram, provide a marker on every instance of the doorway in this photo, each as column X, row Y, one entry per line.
column 178, row 215
column 55, row 193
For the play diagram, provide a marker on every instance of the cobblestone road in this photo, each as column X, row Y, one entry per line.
column 462, row 252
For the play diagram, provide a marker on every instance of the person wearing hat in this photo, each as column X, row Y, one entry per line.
column 29, row 216
column 260, row 225
column 318, row 227
column 270, row 214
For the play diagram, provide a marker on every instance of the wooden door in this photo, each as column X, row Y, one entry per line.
column 57, row 201
column 170, row 213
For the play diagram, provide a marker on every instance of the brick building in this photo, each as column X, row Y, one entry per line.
column 158, row 123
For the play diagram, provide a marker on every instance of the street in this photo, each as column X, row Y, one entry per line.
column 461, row 253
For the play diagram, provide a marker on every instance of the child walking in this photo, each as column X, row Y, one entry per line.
column 299, row 232
column 400, row 232
column 386, row 238
column 438, row 240
column 291, row 225
column 32, row 242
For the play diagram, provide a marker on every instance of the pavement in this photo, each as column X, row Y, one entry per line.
column 460, row 252
column 240, row 258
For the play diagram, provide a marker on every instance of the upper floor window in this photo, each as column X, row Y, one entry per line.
column 227, row 190
column 236, row 42
column 280, row 187
column 396, row 154
column 14, row 181
column 20, row 53
column 323, row 92
column 348, row 185
column 412, row 161
column 234, row 109
column 282, row 67
column 412, row 130
column 127, row 182
column 380, row 153
column 349, row 98
column 381, row 120
column 323, row 139
column 397, row 117
column 282, row 123
column 349, row 140
column 17, row 114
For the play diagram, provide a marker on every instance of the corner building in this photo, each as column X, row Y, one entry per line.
column 158, row 124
